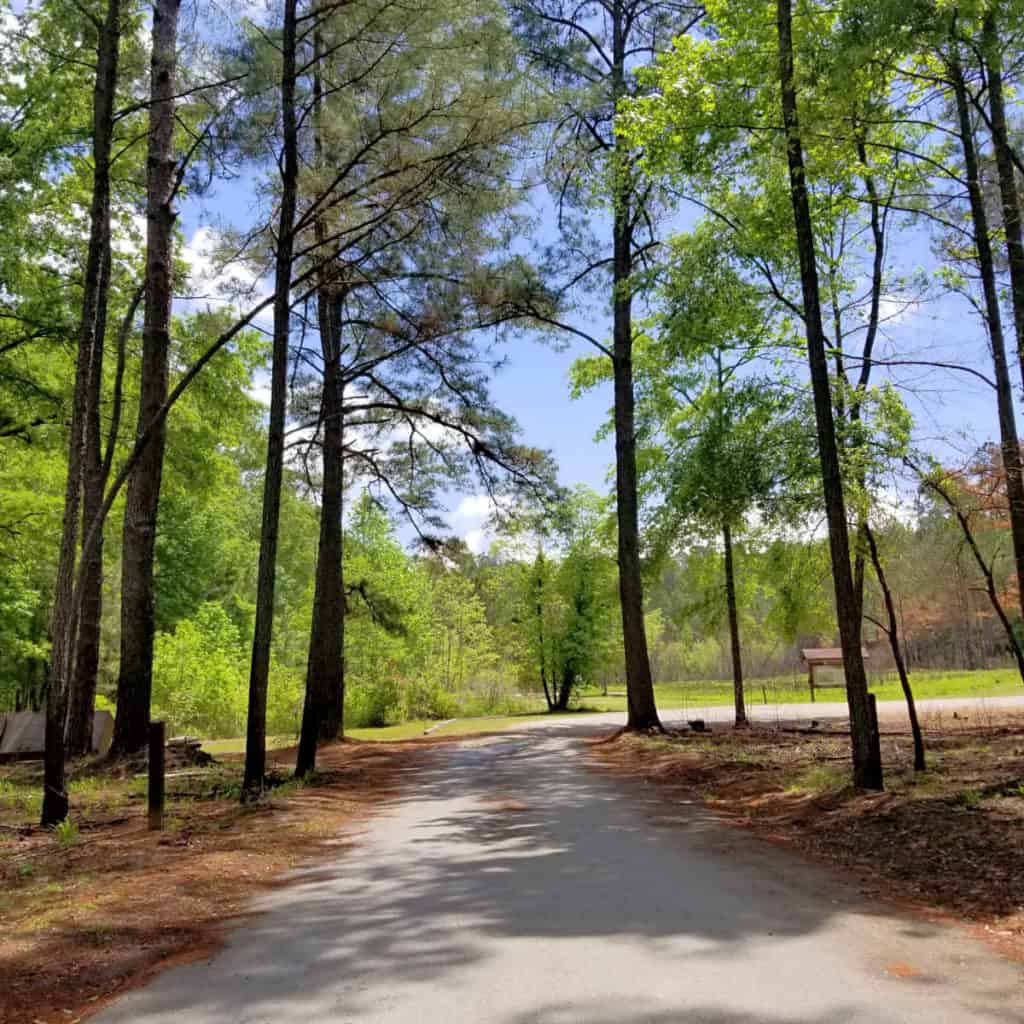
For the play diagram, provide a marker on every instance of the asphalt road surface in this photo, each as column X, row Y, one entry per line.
column 513, row 885
column 980, row 710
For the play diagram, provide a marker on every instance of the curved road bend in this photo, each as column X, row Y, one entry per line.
column 977, row 709
column 511, row 885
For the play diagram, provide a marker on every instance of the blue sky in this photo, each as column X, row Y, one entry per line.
column 953, row 411
column 532, row 384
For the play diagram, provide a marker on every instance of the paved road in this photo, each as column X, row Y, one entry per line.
column 978, row 709
column 512, row 885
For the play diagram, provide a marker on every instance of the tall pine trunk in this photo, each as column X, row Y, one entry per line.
column 642, row 710
column 82, row 693
column 322, row 713
column 867, row 759
column 734, row 627
column 324, row 704
column 135, row 681
column 259, row 671
column 1009, row 197
column 94, row 298
column 1008, row 441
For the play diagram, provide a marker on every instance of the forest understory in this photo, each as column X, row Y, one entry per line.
column 947, row 843
column 92, row 912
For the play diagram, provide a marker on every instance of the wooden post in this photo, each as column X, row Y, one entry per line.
column 810, row 678
column 156, row 776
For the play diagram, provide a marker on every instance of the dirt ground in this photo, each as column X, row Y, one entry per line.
column 946, row 842
column 89, row 914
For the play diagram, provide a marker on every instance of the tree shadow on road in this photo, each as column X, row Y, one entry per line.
column 506, row 851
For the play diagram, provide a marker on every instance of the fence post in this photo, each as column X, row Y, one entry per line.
column 156, row 775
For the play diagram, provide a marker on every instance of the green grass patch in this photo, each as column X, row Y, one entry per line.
column 686, row 696
column 927, row 684
column 19, row 797
column 459, row 727
column 818, row 779
column 66, row 834
column 411, row 730
column 236, row 744
column 969, row 799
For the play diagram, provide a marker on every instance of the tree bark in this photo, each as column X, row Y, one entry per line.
column 259, row 672
column 82, row 693
column 877, row 220
column 642, row 710
column 1008, row 441
column 64, row 632
column 324, row 704
column 565, row 688
column 867, row 759
column 322, row 713
column 734, row 628
column 135, row 681
column 1010, row 200
column 892, row 631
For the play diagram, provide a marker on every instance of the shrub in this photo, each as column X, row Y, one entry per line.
column 372, row 704
column 424, row 699
column 200, row 683
column 285, row 695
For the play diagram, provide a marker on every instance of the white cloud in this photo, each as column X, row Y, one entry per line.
column 474, row 506
column 896, row 503
column 129, row 240
column 473, row 517
column 10, row 26
column 893, row 309
column 478, row 541
column 217, row 273
column 260, row 389
column 438, row 434
column 212, row 270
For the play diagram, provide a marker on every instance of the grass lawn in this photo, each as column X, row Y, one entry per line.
column 697, row 694
column 236, row 744
column 927, row 684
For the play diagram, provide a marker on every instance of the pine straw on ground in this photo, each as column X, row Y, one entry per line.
column 83, row 922
column 948, row 842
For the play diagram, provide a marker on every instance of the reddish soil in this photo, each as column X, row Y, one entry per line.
column 84, row 923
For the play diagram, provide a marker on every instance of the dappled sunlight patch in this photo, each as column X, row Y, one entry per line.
column 949, row 841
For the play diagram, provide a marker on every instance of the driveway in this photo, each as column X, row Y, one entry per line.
column 511, row 884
